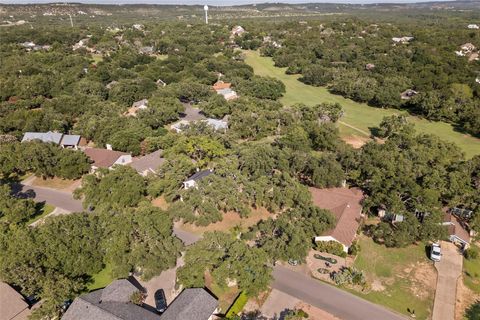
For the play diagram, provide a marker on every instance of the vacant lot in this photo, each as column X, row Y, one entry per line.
column 400, row 278
column 230, row 220
column 359, row 117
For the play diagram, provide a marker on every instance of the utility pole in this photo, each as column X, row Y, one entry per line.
column 71, row 21
column 205, row 7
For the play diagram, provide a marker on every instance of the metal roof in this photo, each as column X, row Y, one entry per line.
column 49, row 136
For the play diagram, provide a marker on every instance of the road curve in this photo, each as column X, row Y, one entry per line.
column 339, row 303
column 60, row 199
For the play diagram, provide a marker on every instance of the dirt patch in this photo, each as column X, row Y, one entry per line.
column 161, row 203
column 356, row 141
column 465, row 298
column 231, row 220
column 377, row 285
column 422, row 277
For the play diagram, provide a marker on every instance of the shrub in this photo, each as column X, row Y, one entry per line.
column 354, row 249
column 471, row 254
column 331, row 247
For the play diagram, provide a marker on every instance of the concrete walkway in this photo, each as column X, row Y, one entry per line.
column 449, row 271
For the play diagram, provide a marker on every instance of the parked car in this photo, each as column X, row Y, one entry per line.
column 435, row 252
column 292, row 262
column 160, row 301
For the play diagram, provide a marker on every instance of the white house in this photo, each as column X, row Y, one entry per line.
column 473, row 26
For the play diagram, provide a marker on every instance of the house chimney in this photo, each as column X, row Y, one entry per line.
column 108, row 146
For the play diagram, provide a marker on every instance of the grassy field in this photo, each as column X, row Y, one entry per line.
column 471, row 269
column 101, row 279
column 359, row 117
column 400, row 278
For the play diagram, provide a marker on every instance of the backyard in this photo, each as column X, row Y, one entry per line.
column 101, row 279
column 400, row 278
column 359, row 117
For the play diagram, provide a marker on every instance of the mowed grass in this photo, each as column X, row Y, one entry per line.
column 396, row 269
column 43, row 211
column 360, row 116
column 471, row 269
column 101, row 279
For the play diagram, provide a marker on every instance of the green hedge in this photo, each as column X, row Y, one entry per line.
column 238, row 305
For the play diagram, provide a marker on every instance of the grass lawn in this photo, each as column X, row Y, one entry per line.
column 471, row 269
column 400, row 278
column 43, row 211
column 101, row 279
column 226, row 295
column 359, row 116
column 53, row 183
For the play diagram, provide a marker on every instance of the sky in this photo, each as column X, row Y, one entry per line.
column 217, row 2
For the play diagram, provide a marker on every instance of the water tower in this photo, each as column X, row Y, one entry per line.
column 205, row 8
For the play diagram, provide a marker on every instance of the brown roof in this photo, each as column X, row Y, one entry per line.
column 345, row 204
column 12, row 304
column 455, row 227
column 221, row 85
column 103, row 158
column 148, row 162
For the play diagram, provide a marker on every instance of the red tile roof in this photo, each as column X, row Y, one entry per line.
column 345, row 204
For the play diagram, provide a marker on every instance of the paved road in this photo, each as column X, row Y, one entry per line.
column 60, row 199
column 449, row 270
column 339, row 303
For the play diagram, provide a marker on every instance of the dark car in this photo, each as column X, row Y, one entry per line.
column 160, row 301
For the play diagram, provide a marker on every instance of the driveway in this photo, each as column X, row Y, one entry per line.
column 340, row 304
column 278, row 303
column 166, row 281
column 449, row 270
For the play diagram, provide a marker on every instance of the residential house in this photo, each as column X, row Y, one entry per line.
column 148, row 163
column 80, row 44
column 408, row 94
column 191, row 182
column 104, row 158
column 136, row 106
column 465, row 49
column 237, row 31
column 457, row 232
column 114, row 302
column 160, row 83
column 223, row 88
column 403, row 40
column 180, row 125
column 369, row 66
column 64, row 140
column 473, row 26
column 345, row 204
column 194, row 304
column 146, row 50
column 12, row 304
column 216, row 124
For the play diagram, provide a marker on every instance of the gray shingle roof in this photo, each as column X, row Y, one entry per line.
column 70, row 139
column 200, row 175
column 148, row 162
column 195, row 303
column 49, row 136
column 110, row 303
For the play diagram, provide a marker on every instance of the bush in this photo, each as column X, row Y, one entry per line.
column 331, row 247
column 237, row 305
column 354, row 249
column 470, row 254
